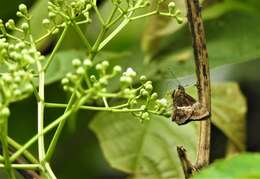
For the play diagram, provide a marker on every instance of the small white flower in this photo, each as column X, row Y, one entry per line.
column 130, row 72
column 163, row 102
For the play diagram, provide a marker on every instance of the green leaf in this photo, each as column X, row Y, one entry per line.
column 147, row 150
column 157, row 27
column 228, row 111
column 144, row 150
column 38, row 12
column 230, row 39
column 244, row 166
column 61, row 64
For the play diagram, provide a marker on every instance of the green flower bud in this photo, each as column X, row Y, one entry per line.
column 46, row 22
column 76, row 62
column 171, row 5
column 51, row 15
column 127, row 91
column 99, row 67
column 130, row 72
column 179, row 19
column 93, row 78
column 25, row 26
column 144, row 93
column 28, row 87
column 178, row 12
column 73, row 4
column 19, row 14
column 145, row 116
column 87, row 63
column 117, row 69
column 103, row 81
column 65, row 88
column 126, row 79
column 143, row 79
column 80, row 71
column 5, row 112
column 148, row 87
column 17, row 92
column 23, row 9
column 65, row 81
column 143, row 107
column 10, row 24
column 162, row 102
column 154, row 96
column 105, row 64
column 88, row 7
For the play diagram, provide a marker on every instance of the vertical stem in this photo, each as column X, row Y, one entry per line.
column 58, row 131
column 57, row 46
column 203, row 77
column 3, row 138
column 40, row 104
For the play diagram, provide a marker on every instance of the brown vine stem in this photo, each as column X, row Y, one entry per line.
column 187, row 166
column 203, row 77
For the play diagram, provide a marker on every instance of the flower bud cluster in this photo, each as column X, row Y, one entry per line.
column 18, row 55
column 62, row 11
column 10, row 25
column 174, row 12
column 94, row 80
column 15, row 85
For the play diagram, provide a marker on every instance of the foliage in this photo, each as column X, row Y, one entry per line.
column 241, row 166
column 99, row 76
column 148, row 150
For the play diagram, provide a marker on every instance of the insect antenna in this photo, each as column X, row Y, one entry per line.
column 174, row 77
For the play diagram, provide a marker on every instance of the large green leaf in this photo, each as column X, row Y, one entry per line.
column 246, row 166
column 148, row 149
column 231, row 38
column 144, row 150
column 161, row 27
column 62, row 62
column 229, row 111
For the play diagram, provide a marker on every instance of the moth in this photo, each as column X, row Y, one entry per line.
column 186, row 108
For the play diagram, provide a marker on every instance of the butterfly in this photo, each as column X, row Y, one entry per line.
column 186, row 108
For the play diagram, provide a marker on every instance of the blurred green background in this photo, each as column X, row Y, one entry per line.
column 78, row 153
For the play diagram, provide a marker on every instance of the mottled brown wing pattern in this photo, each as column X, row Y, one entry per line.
column 180, row 115
column 186, row 108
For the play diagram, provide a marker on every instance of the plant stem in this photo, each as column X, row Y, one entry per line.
column 187, row 166
column 58, row 131
column 1, row 158
column 83, row 38
column 24, row 166
column 35, row 137
column 40, row 104
column 118, row 29
column 110, row 109
column 203, row 77
column 58, row 44
column 26, row 154
column 3, row 138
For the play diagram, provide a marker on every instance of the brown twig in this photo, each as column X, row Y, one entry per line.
column 187, row 166
column 203, row 77
column 27, row 174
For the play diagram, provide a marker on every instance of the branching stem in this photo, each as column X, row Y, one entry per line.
column 203, row 77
